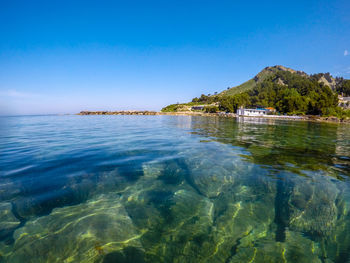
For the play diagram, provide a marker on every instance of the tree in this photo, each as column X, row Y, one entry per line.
column 344, row 88
column 211, row 109
column 232, row 103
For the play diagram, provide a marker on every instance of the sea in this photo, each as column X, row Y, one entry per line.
column 173, row 189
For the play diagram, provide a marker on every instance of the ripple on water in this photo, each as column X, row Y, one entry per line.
column 138, row 189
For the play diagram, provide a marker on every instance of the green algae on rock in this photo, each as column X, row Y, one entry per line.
column 192, row 190
column 84, row 233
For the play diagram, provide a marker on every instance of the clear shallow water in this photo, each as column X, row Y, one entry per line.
column 173, row 189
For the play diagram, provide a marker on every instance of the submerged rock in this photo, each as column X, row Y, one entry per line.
column 177, row 224
column 75, row 191
column 313, row 207
column 215, row 171
column 263, row 249
column 240, row 220
column 82, row 233
column 188, row 211
column 127, row 255
column 8, row 220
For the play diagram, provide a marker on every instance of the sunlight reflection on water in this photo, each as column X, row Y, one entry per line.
column 173, row 189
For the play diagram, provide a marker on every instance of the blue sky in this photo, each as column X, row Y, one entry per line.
column 67, row 56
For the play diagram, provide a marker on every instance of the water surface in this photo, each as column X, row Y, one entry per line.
column 173, row 189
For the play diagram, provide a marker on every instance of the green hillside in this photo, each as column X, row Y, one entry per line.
column 287, row 90
column 266, row 73
column 248, row 85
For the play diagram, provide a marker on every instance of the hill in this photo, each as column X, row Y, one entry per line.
column 289, row 91
column 270, row 72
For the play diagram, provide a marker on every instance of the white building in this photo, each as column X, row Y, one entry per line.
column 251, row 112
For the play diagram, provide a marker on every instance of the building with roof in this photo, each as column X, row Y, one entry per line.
column 270, row 109
column 252, row 112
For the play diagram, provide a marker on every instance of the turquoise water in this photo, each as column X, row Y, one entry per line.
column 173, row 189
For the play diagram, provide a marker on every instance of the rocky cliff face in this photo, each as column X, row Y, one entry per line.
column 328, row 80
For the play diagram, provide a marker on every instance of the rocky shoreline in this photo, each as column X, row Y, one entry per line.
column 219, row 114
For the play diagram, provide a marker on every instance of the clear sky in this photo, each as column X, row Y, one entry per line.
column 67, row 56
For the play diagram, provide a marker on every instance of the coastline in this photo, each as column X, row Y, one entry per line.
column 219, row 114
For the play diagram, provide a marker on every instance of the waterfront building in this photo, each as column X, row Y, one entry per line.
column 252, row 112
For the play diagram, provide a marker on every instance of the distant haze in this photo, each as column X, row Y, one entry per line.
column 64, row 57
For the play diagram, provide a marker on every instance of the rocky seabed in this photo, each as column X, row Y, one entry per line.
column 181, row 211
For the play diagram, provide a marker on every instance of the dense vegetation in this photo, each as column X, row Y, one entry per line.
column 232, row 103
column 297, row 95
column 211, row 109
column 344, row 88
column 288, row 92
column 208, row 99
